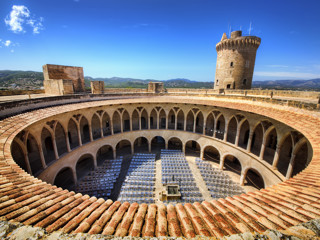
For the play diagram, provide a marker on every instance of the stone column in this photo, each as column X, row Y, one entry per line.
column 55, row 149
column 158, row 120
column 221, row 163
column 149, row 147
column 290, row 167
column 131, row 122
column 242, row 178
column 185, row 124
column 225, row 134
column 166, row 144
column 114, row 151
column 237, row 136
column 201, row 154
column 249, row 141
column 167, row 122
column 263, row 147
column 101, row 129
column 183, row 147
column 149, row 122
column 67, row 142
column 194, row 123
column 43, row 161
column 139, row 121
column 90, row 133
column 204, row 127
column 121, row 124
column 132, row 148
column 176, row 122
column 79, row 136
column 74, row 176
column 276, row 158
column 111, row 127
column 215, row 128
column 26, row 159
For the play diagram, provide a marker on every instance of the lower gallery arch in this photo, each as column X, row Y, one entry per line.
column 141, row 145
column 65, row 178
column 104, row 153
column 123, row 148
column 193, row 148
column 253, row 178
column 175, row 143
column 300, row 161
column 84, row 165
column 285, row 155
column 157, row 143
column 232, row 164
column 212, row 154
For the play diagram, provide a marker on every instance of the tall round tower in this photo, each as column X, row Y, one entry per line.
column 235, row 61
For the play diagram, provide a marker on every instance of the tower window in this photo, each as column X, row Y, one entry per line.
column 228, row 86
column 244, row 82
column 231, row 64
column 217, row 82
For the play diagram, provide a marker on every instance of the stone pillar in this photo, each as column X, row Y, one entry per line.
column 176, row 122
column 74, row 174
column 132, row 148
column 201, row 154
column 237, row 136
column 263, row 147
column 183, row 147
column 43, row 161
column 225, row 134
column 139, row 121
column 221, row 163
column 131, row 122
column 249, row 141
column 67, row 142
column 185, row 124
column 242, row 178
column 149, row 122
column 204, row 128
column 158, row 120
column 166, row 144
column 90, row 133
column 26, row 159
column 79, row 136
column 290, row 167
column 167, row 123
column 215, row 128
column 114, row 151
column 276, row 158
column 101, row 129
column 121, row 124
column 95, row 162
column 149, row 147
column 55, row 149
column 111, row 126
column 194, row 123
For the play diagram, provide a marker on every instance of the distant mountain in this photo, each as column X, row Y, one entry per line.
column 312, row 84
column 34, row 80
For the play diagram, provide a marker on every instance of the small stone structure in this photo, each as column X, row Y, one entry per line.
column 63, row 80
column 156, row 87
column 97, row 87
column 235, row 61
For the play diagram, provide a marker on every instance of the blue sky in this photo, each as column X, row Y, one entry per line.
column 158, row 39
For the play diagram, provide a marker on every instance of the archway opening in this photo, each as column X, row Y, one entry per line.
column 95, row 126
column 285, row 155
column 171, row 120
column 84, row 165
column 116, row 121
column 301, row 159
column 18, row 155
column 162, row 119
column 175, row 143
column 254, row 179
column 144, row 119
column 180, row 119
column 157, row 143
column 190, row 120
column 64, row 179
column 84, row 128
column 104, row 153
column 244, row 134
column 199, row 123
column 123, row 148
column 232, row 164
column 141, row 145
column 60, row 139
column 210, row 153
column 210, row 125
column 106, row 124
column 47, row 146
column 34, row 156
column 232, row 131
column 220, row 127
column 73, row 134
column 153, row 119
column 271, row 146
column 257, row 140
column 135, row 120
column 193, row 148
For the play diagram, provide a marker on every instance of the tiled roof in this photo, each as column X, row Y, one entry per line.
column 28, row 200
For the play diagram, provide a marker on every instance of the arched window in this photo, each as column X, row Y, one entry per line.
column 231, row 64
column 244, row 82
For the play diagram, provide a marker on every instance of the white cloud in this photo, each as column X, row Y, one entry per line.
column 7, row 43
column 302, row 75
column 19, row 17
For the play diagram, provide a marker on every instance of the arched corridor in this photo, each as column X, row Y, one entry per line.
column 210, row 153
column 123, row 148
column 104, row 153
column 64, row 179
column 157, row 143
column 175, row 143
column 141, row 145
column 254, row 179
column 84, row 165
column 193, row 148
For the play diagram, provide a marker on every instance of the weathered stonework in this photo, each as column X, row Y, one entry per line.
column 235, row 61
column 97, row 87
column 155, row 87
column 63, row 80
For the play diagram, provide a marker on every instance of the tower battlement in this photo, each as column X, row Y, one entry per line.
column 235, row 61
